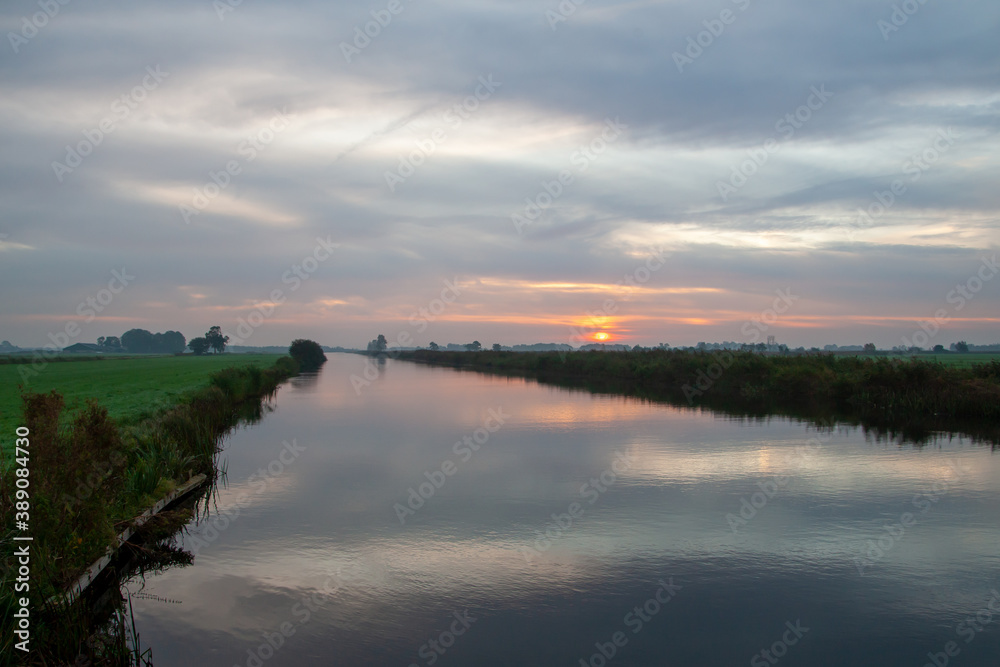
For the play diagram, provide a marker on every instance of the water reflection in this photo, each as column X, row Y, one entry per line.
column 305, row 381
column 306, row 539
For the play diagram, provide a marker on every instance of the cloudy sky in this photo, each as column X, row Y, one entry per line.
column 646, row 171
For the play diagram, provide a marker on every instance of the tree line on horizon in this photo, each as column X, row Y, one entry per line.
column 140, row 341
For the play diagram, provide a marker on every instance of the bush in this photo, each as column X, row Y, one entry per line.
column 307, row 353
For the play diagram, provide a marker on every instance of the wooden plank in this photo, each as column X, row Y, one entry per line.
column 92, row 572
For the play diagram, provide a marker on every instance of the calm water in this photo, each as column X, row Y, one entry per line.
column 848, row 551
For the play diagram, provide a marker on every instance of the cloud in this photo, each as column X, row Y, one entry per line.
column 794, row 221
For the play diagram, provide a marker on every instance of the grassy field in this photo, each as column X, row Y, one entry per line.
column 131, row 388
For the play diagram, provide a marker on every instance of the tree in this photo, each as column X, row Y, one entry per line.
column 378, row 345
column 870, row 348
column 169, row 342
column 474, row 346
column 307, row 353
column 961, row 346
column 112, row 343
column 137, row 340
column 434, row 346
column 199, row 345
column 497, row 347
column 939, row 349
column 100, row 340
column 216, row 340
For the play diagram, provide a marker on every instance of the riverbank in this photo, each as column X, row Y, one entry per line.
column 897, row 397
column 90, row 475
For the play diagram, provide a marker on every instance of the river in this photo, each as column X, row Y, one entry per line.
column 426, row 516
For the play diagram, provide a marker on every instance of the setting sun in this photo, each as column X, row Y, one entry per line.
column 601, row 336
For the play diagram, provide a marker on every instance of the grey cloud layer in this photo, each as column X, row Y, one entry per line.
column 686, row 131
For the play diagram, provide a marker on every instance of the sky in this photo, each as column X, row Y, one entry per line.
column 640, row 172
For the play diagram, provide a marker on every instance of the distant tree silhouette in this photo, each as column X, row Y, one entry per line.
column 939, row 348
column 474, row 346
column 137, row 340
column 169, row 342
column 216, row 340
column 199, row 345
column 497, row 347
column 870, row 348
column 308, row 353
column 378, row 345
column 961, row 346
column 434, row 346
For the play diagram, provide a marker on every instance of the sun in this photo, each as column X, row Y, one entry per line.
column 601, row 336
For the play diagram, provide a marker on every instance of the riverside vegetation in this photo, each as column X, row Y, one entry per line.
column 90, row 475
column 897, row 397
column 132, row 388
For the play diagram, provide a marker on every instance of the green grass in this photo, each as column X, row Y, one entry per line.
column 131, row 388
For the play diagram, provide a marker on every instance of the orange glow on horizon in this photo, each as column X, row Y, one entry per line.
column 601, row 336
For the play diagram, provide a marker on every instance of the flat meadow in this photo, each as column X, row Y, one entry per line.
column 132, row 388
